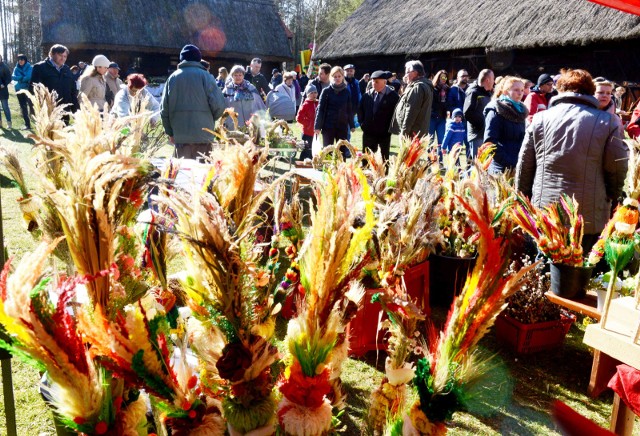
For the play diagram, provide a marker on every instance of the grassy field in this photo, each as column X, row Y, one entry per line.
column 517, row 404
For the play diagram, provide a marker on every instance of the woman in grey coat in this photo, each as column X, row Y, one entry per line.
column 577, row 149
column 242, row 96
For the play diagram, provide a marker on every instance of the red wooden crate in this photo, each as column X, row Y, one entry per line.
column 531, row 338
column 363, row 328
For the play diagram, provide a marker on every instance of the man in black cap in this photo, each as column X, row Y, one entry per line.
column 375, row 113
column 276, row 78
column 538, row 98
column 191, row 100
column 113, row 82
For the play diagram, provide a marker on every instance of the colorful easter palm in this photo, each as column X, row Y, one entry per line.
column 332, row 256
column 230, row 284
column 441, row 377
column 557, row 228
column 83, row 394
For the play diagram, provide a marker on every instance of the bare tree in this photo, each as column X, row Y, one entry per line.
column 29, row 31
column 314, row 20
column 20, row 29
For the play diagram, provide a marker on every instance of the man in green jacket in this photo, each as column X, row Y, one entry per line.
column 413, row 111
column 191, row 100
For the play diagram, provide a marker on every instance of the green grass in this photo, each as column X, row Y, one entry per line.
column 527, row 384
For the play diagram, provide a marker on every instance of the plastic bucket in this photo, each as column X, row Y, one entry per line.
column 570, row 281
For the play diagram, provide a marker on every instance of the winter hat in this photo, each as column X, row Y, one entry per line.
column 22, row 57
column 457, row 113
column 100, row 61
column 310, row 88
column 190, row 53
column 544, row 79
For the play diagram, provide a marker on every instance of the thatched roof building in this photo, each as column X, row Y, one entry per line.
column 151, row 33
column 524, row 37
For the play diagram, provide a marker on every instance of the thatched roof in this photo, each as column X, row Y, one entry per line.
column 229, row 27
column 412, row 27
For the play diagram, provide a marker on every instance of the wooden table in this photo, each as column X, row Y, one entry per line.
column 615, row 343
column 585, row 306
column 603, row 366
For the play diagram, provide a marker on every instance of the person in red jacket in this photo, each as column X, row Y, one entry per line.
column 538, row 98
column 633, row 129
column 307, row 118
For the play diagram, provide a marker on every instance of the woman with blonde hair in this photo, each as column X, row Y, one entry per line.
column 497, row 88
column 222, row 77
column 505, row 118
column 287, row 85
column 604, row 93
column 438, row 123
column 92, row 82
column 335, row 113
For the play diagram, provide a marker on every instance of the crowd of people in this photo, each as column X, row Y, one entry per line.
column 330, row 104
column 562, row 134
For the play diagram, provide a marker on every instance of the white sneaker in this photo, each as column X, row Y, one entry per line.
column 9, row 126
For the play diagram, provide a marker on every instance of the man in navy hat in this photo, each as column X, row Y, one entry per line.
column 113, row 81
column 538, row 98
column 191, row 101
column 375, row 113
column 352, row 84
column 276, row 78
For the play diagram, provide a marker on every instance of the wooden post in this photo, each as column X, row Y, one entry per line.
column 7, row 381
column 622, row 418
column 9, row 402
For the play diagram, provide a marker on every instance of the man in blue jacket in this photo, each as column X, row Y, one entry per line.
column 456, row 95
column 352, row 84
column 354, row 89
column 191, row 100
column 22, row 77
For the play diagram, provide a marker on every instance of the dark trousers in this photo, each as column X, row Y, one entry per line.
column 306, row 153
column 26, row 107
column 372, row 142
column 192, row 151
column 333, row 135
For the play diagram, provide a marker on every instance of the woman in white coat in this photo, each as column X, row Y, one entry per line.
column 92, row 82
